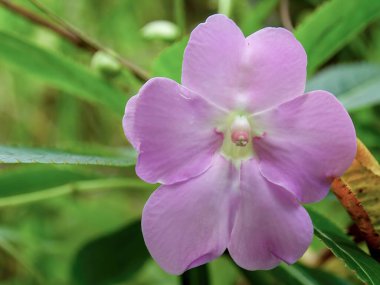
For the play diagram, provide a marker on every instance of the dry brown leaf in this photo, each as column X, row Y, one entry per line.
column 359, row 192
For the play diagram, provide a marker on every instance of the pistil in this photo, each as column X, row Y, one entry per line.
column 237, row 143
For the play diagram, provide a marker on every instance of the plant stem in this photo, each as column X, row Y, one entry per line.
column 225, row 7
column 180, row 17
column 73, row 35
column 285, row 15
column 72, row 188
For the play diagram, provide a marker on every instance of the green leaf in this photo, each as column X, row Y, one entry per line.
column 365, row 267
column 169, row 62
column 29, row 184
column 110, row 259
column 33, row 155
column 356, row 85
column 196, row 276
column 293, row 275
column 333, row 25
column 323, row 277
column 254, row 18
column 32, row 184
column 60, row 72
column 31, row 179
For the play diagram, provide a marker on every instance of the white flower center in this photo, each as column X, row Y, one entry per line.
column 237, row 143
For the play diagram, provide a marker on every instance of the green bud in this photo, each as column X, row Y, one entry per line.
column 105, row 64
column 160, row 30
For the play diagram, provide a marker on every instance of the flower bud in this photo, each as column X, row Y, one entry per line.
column 160, row 30
column 105, row 64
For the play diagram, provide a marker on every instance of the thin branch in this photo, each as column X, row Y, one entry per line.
column 285, row 15
column 40, row 21
column 72, row 35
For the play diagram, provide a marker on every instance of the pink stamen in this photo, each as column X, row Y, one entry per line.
column 240, row 138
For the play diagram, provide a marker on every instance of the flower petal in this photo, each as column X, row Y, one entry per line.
column 261, row 71
column 175, row 129
column 212, row 59
column 270, row 226
column 306, row 143
column 129, row 121
column 276, row 67
column 188, row 224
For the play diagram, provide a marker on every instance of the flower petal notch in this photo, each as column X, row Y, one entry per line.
column 258, row 72
column 237, row 147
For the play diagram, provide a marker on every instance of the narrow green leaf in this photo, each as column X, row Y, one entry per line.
column 110, row 259
column 333, row 25
column 196, row 276
column 293, row 275
column 33, row 184
column 323, row 277
column 356, row 85
column 303, row 275
column 29, row 184
column 365, row 267
column 32, row 179
column 60, row 72
column 33, row 155
column 169, row 62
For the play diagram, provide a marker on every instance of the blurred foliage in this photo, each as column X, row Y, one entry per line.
column 54, row 95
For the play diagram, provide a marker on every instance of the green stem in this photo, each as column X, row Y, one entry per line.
column 225, row 7
column 180, row 17
column 71, row 188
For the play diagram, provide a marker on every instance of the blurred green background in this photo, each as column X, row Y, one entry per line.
column 48, row 241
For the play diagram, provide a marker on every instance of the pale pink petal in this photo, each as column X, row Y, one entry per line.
column 188, row 224
column 176, row 132
column 129, row 120
column 264, row 70
column 270, row 225
column 306, row 142
column 211, row 63
column 275, row 68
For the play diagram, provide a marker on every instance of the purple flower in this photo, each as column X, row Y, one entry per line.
column 237, row 147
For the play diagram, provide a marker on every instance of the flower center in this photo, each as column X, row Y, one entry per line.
column 240, row 138
column 240, row 131
column 237, row 144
